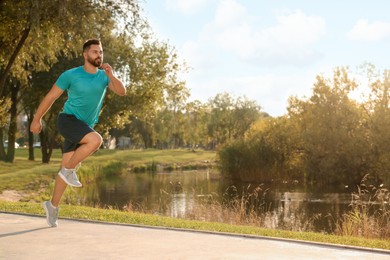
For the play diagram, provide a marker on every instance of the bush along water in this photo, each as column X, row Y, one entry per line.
column 370, row 212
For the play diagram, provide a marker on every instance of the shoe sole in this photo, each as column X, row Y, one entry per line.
column 47, row 215
column 66, row 181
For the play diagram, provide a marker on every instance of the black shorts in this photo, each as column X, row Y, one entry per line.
column 73, row 130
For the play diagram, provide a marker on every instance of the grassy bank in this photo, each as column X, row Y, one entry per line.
column 116, row 216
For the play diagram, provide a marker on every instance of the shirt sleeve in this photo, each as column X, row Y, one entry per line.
column 63, row 81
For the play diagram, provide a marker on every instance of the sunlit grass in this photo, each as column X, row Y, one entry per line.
column 166, row 157
column 25, row 175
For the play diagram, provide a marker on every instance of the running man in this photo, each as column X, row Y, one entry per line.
column 86, row 86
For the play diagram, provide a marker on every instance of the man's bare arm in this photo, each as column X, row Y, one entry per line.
column 115, row 84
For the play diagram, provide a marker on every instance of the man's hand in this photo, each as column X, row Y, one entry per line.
column 115, row 84
column 107, row 69
column 36, row 126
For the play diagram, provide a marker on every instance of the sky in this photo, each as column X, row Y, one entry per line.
column 270, row 50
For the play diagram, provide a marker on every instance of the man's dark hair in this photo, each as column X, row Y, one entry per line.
column 90, row 42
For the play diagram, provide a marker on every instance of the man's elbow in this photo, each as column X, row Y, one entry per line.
column 122, row 92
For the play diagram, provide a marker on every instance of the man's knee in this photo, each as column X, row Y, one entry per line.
column 94, row 139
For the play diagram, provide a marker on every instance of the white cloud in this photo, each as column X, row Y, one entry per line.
column 246, row 44
column 185, row 6
column 295, row 28
column 289, row 42
column 365, row 31
column 235, row 30
column 228, row 13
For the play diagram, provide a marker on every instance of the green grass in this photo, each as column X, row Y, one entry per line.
column 164, row 157
column 116, row 216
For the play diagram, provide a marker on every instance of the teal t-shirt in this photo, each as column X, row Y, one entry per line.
column 86, row 92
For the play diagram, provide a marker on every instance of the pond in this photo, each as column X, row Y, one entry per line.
column 176, row 194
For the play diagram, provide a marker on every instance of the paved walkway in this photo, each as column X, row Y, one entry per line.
column 28, row 237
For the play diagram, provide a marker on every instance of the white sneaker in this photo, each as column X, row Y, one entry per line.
column 51, row 213
column 70, row 177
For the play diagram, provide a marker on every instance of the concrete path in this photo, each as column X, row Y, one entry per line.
column 28, row 237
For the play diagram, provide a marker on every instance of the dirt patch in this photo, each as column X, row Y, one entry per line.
column 11, row 195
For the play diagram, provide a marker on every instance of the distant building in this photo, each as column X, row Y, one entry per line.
column 124, row 143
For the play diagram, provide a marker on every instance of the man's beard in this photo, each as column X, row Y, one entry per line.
column 96, row 62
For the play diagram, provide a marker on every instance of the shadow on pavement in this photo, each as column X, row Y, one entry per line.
column 22, row 232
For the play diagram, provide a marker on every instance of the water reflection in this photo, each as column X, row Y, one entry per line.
column 180, row 204
column 175, row 194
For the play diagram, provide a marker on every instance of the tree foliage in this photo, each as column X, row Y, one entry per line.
column 328, row 138
column 229, row 119
column 377, row 122
column 35, row 33
column 331, row 129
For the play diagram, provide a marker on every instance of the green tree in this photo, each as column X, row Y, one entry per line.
column 164, row 119
column 377, row 122
column 33, row 37
column 32, row 32
column 154, row 86
column 332, row 132
column 323, row 139
column 175, row 101
column 195, row 124
column 282, row 140
column 229, row 119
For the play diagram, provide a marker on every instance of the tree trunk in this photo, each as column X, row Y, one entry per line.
column 2, row 150
column 2, row 130
column 12, row 59
column 47, row 137
column 31, row 156
column 45, row 146
column 13, row 123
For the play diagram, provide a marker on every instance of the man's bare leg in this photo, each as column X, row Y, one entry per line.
column 89, row 144
column 60, row 185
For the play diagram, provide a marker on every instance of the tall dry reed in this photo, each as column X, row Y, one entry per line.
column 370, row 212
